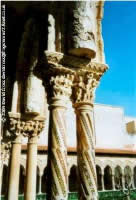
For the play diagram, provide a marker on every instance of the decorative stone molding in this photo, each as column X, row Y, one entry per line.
column 25, row 125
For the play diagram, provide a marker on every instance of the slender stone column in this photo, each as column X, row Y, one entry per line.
column 85, row 86
column 113, row 182
column 15, row 130
column 133, row 184
column 102, row 180
column 40, row 184
column 30, row 192
column 33, row 129
column 14, row 169
column 60, row 91
column 86, row 152
column 1, row 177
column 123, row 182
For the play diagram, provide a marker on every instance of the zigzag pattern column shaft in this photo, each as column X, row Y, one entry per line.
column 86, row 156
column 59, row 188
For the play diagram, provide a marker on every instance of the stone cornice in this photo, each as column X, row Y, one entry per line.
column 25, row 125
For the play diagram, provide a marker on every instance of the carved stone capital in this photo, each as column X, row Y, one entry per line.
column 85, row 86
column 61, row 85
column 63, row 72
column 24, row 125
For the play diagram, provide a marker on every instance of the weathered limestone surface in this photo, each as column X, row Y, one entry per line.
column 85, row 77
column 65, row 77
column 30, row 191
column 32, row 129
column 15, row 131
column 51, row 33
column 100, row 57
column 32, row 90
column 14, row 169
column 21, row 125
column 15, row 97
column 84, row 98
column 60, row 91
column 81, row 29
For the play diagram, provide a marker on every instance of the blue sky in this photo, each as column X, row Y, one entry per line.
column 118, row 85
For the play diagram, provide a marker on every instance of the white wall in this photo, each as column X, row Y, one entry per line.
column 110, row 127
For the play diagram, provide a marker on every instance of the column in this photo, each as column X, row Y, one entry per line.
column 40, row 184
column 60, row 91
column 102, row 180
column 133, row 184
column 1, row 177
column 86, row 76
column 15, row 128
column 30, row 190
column 32, row 129
column 113, row 182
column 81, row 29
column 14, row 169
column 123, row 182
column 5, row 155
column 84, row 96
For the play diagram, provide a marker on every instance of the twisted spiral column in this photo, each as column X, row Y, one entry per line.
column 84, row 92
column 86, row 152
column 86, row 76
column 60, row 91
column 59, row 188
